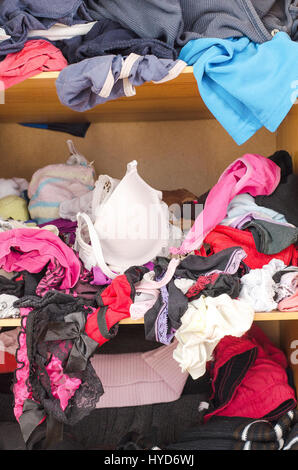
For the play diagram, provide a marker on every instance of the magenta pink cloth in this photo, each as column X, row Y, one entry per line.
column 136, row 379
column 289, row 304
column 37, row 56
column 31, row 250
column 252, row 174
column 63, row 386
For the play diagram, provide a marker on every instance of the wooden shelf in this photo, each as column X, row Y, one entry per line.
column 36, row 100
column 260, row 316
column 10, row 322
column 276, row 315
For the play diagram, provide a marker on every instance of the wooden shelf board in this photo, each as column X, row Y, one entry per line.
column 260, row 316
column 36, row 100
column 10, row 322
column 276, row 315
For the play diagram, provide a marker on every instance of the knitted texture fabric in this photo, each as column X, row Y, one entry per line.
column 222, row 433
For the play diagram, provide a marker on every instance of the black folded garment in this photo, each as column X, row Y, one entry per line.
column 283, row 159
column 237, row 433
column 6, row 381
column 271, row 238
column 222, row 284
column 11, row 437
column 22, row 284
column 109, row 37
column 284, row 198
column 291, row 443
column 78, row 129
column 6, row 405
column 105, row 427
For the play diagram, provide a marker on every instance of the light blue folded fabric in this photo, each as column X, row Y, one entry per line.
column 244, row 84
column 243, row 205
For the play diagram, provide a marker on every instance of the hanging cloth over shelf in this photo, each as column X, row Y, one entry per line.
column 251, row 174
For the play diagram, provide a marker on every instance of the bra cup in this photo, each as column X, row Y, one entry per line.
column 132, row 224
column 103, row 189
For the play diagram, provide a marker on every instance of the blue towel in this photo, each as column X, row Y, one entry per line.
column 244, row 84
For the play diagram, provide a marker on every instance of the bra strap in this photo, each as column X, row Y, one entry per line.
column 96, row 246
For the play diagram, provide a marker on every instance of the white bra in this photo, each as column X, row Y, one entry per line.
column 131, row 224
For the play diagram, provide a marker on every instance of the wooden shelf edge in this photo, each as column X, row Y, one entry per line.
column 276, row 315
column 259, row 316
column 45, row 75
column 37, row 100
column 10, row 322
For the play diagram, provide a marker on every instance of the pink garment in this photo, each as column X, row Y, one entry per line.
column 31, row 250
column 9, row 340
column 150, row 288
column 63, row 387
column 37, row 56
column 287, row 286
column 140, row 306
column 252, row 174
column 99, row 278
column 289, row 304
column 139, row 378
column 146, row 284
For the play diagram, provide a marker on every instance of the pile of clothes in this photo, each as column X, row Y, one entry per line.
column 198, row 352
column 241, row 55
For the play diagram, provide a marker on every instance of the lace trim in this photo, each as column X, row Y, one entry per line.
column 40, row 353
column 162, row 334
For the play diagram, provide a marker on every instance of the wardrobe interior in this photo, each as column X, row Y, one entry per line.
column 188, row 154
column 166, row 128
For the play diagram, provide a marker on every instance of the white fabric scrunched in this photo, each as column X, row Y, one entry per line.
column 258, row 288
column 206, row 321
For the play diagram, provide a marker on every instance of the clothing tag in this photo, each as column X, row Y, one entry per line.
column 3, row 35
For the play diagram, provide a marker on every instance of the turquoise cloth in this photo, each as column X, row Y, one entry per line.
column 244, row 84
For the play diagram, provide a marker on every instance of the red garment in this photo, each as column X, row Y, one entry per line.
column 225, row 237
column 116, row 301
column 249, row 378
column 200, row 284
column 8, row 362
column 114, row 304
column 37, row 56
